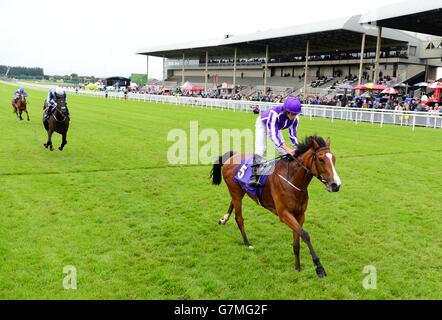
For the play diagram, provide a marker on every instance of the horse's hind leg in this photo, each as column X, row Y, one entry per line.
column 237, row 195
column 226, row 217
column 20, row 115
column 63, row 142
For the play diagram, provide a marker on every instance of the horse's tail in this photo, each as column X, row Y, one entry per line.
column 215, row 174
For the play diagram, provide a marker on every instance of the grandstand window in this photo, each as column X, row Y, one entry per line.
column 430, row 46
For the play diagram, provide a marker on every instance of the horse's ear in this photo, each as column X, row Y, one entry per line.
column 328, row 142
column 314, row 144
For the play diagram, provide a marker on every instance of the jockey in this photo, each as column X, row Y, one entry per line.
column 17, row 94
column 270, row 123
column 53, row 94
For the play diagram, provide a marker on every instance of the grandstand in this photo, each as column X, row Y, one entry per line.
column 312, row 57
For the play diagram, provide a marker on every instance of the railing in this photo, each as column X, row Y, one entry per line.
column 378, row 116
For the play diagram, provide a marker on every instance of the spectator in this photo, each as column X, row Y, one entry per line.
column 413, row 105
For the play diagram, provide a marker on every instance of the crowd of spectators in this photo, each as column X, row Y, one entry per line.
column 401, row 103
column 367, row 99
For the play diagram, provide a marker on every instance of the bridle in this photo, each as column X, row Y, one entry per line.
column 61, row 112
column 314, row 156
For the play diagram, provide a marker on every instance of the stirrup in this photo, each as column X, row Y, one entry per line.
column 254, row 183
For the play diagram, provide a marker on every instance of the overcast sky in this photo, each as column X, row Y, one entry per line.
column 101, row 37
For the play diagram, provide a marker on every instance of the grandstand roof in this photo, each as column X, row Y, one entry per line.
column 337, row 34
column 417, row 16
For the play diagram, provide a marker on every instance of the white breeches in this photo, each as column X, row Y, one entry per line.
column 261, row 139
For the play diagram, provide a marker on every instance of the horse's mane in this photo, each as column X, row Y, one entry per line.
column 307, row 143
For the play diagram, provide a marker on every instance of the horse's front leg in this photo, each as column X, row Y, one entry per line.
column 296, row 248
column 27, row 114
column 49, row 143
column 297, row 244
column 63, row 141
column 320, row 271
column 16, row 112
column 288, row 218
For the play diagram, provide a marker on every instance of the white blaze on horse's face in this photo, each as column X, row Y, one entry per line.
column 334, row 185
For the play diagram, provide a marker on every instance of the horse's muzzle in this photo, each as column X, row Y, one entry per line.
column 333, row 187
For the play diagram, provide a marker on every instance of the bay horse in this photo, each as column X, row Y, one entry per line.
column 285, row 192
column 20, row 107
column 57, row 122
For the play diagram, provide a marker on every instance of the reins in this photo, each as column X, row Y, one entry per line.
column 61, row 112
column 64, row 116
column 290, row 158
column 57, row 119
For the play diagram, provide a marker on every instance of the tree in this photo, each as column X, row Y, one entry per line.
column 140, row 79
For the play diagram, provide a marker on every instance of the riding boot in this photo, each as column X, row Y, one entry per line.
column 254, row 179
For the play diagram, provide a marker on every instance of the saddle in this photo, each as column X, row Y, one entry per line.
column 244, row 172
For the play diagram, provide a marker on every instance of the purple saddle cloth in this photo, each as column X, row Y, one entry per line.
column 244, row 172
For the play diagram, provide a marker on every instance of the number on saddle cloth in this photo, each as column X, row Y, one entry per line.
column 244, row 172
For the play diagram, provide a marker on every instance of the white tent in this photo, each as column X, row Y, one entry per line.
column 186, row 85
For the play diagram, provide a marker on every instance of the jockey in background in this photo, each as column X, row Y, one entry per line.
column 270, row 123
column 55, row 93
column 17, row 94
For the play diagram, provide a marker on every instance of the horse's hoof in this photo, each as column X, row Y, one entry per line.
column 298, row 270
column 250, row 247
column 60, row 148
column 224, row 219
column 321, row 272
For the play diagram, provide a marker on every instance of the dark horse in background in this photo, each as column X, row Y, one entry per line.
column 285, row 192
column 20, row 106
column 57, row 122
